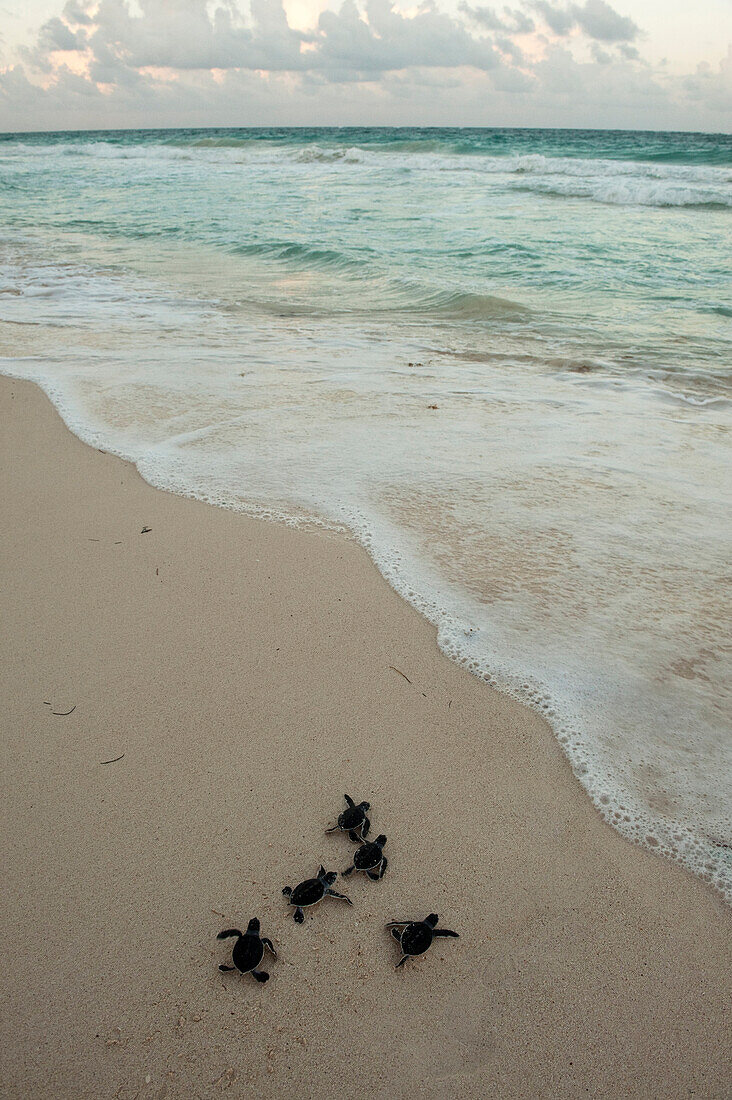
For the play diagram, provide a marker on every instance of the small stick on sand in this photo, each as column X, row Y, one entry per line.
column 400, row 673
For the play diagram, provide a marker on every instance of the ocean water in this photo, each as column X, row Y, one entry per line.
column 500, row 358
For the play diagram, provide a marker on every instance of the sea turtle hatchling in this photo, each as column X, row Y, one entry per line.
column 353, row 820
column 311, row 891
column 415, row 936
column 370, row 858
column 248, row 950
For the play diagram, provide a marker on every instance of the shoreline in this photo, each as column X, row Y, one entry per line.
column 247, row 672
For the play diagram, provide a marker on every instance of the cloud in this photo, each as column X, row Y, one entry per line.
column 598, row 20
column 180, row 34
column 630, row 53
column 709, row 88
column 386, row 40
column 513, row 19
column 77, row 14
column 558, row 19
column 56, row 35
column 105, row 63
column 595, row 18
column 375, row 37
column 185, row 35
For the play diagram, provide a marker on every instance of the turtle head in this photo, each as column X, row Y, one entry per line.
column 432, row 920
column 328, row 877
column 381, row 840
column 253, row 926
column 364, row 806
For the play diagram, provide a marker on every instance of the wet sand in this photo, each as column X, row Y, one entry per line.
column 247, row 673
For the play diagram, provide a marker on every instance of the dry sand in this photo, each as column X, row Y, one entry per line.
column 244, row 671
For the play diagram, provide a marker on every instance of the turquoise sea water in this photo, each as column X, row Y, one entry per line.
column 501, row 358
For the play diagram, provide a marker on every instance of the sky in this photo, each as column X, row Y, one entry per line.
column 99, row 64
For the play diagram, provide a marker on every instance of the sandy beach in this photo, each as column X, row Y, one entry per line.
column 246, row 675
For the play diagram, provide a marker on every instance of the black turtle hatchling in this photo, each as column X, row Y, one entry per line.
column 353, row 820
column 248, row 950
column 370, row 858
column 311, row 891
column 416, row 936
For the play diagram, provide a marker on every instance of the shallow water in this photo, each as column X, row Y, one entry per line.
column 500, row 358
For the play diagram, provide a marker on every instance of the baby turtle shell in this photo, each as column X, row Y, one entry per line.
column 353, row 820
column 416, row 936
column 370, row 858
column 248, row 950
column 311, row 891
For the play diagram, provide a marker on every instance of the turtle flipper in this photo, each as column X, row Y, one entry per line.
column 398, row 923
column 343, row 897
column 270, row 946
column 333, row 829
column 446, row 932
column 349, row 870
column 378, row 872
column 260, row 975
column 227, row 933
column 396, row 934
column 401, row 961
column 350, row 801
column 365, row 827
column 299, row 916
column 225, row 968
